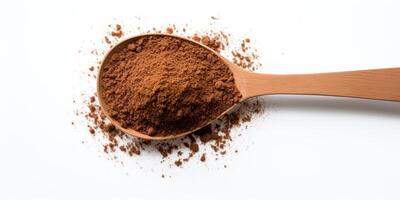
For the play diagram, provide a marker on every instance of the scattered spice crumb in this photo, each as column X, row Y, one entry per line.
column 118, row 31
column 107, row 40
column 170, row 30
column 203, row 157
column 194, row 147
column 178, row 163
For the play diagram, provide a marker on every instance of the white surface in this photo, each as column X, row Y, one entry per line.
column 302, row 148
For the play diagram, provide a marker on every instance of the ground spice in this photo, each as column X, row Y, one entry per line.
column 178, row 163
column 107, row 40
column 194, row 147
column 217, row 135
column 161, row 85
column 203, row 157
column 118, row 31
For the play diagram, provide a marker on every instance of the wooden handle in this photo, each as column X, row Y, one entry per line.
column 382, row 84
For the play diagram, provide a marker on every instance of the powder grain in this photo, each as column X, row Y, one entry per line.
column 161, row 85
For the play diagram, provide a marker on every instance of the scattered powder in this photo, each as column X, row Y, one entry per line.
column 117, row 32
column 194, row 147
column 170, row 30
column 91, row 130
column 107, row 40
column 178, row 163
column 203, row 157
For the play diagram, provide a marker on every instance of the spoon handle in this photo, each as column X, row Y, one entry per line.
column 380, row 84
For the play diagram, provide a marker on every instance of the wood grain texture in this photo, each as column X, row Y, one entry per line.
column 380, row 84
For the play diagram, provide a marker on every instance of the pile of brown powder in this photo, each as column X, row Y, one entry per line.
column 217, row 135
column 161, row 85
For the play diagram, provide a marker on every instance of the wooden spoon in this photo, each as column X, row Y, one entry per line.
column 379, row 84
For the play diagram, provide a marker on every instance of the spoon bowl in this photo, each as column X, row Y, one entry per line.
column 123, row 44
column 378, row 84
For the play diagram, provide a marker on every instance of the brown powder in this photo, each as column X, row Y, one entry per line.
column 91, row 130
column 178, row 163
column 214, row 41
column 118, row 31
column 203, row 157
column 214, row 136
column 107, row 40
column 244, row 57
column 163, row 152
column 161, row 85
column 194, row 148
column 170, row 30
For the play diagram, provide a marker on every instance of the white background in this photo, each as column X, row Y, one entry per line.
column 301, row 148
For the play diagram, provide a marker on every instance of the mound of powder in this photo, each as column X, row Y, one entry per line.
column 161, row 85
